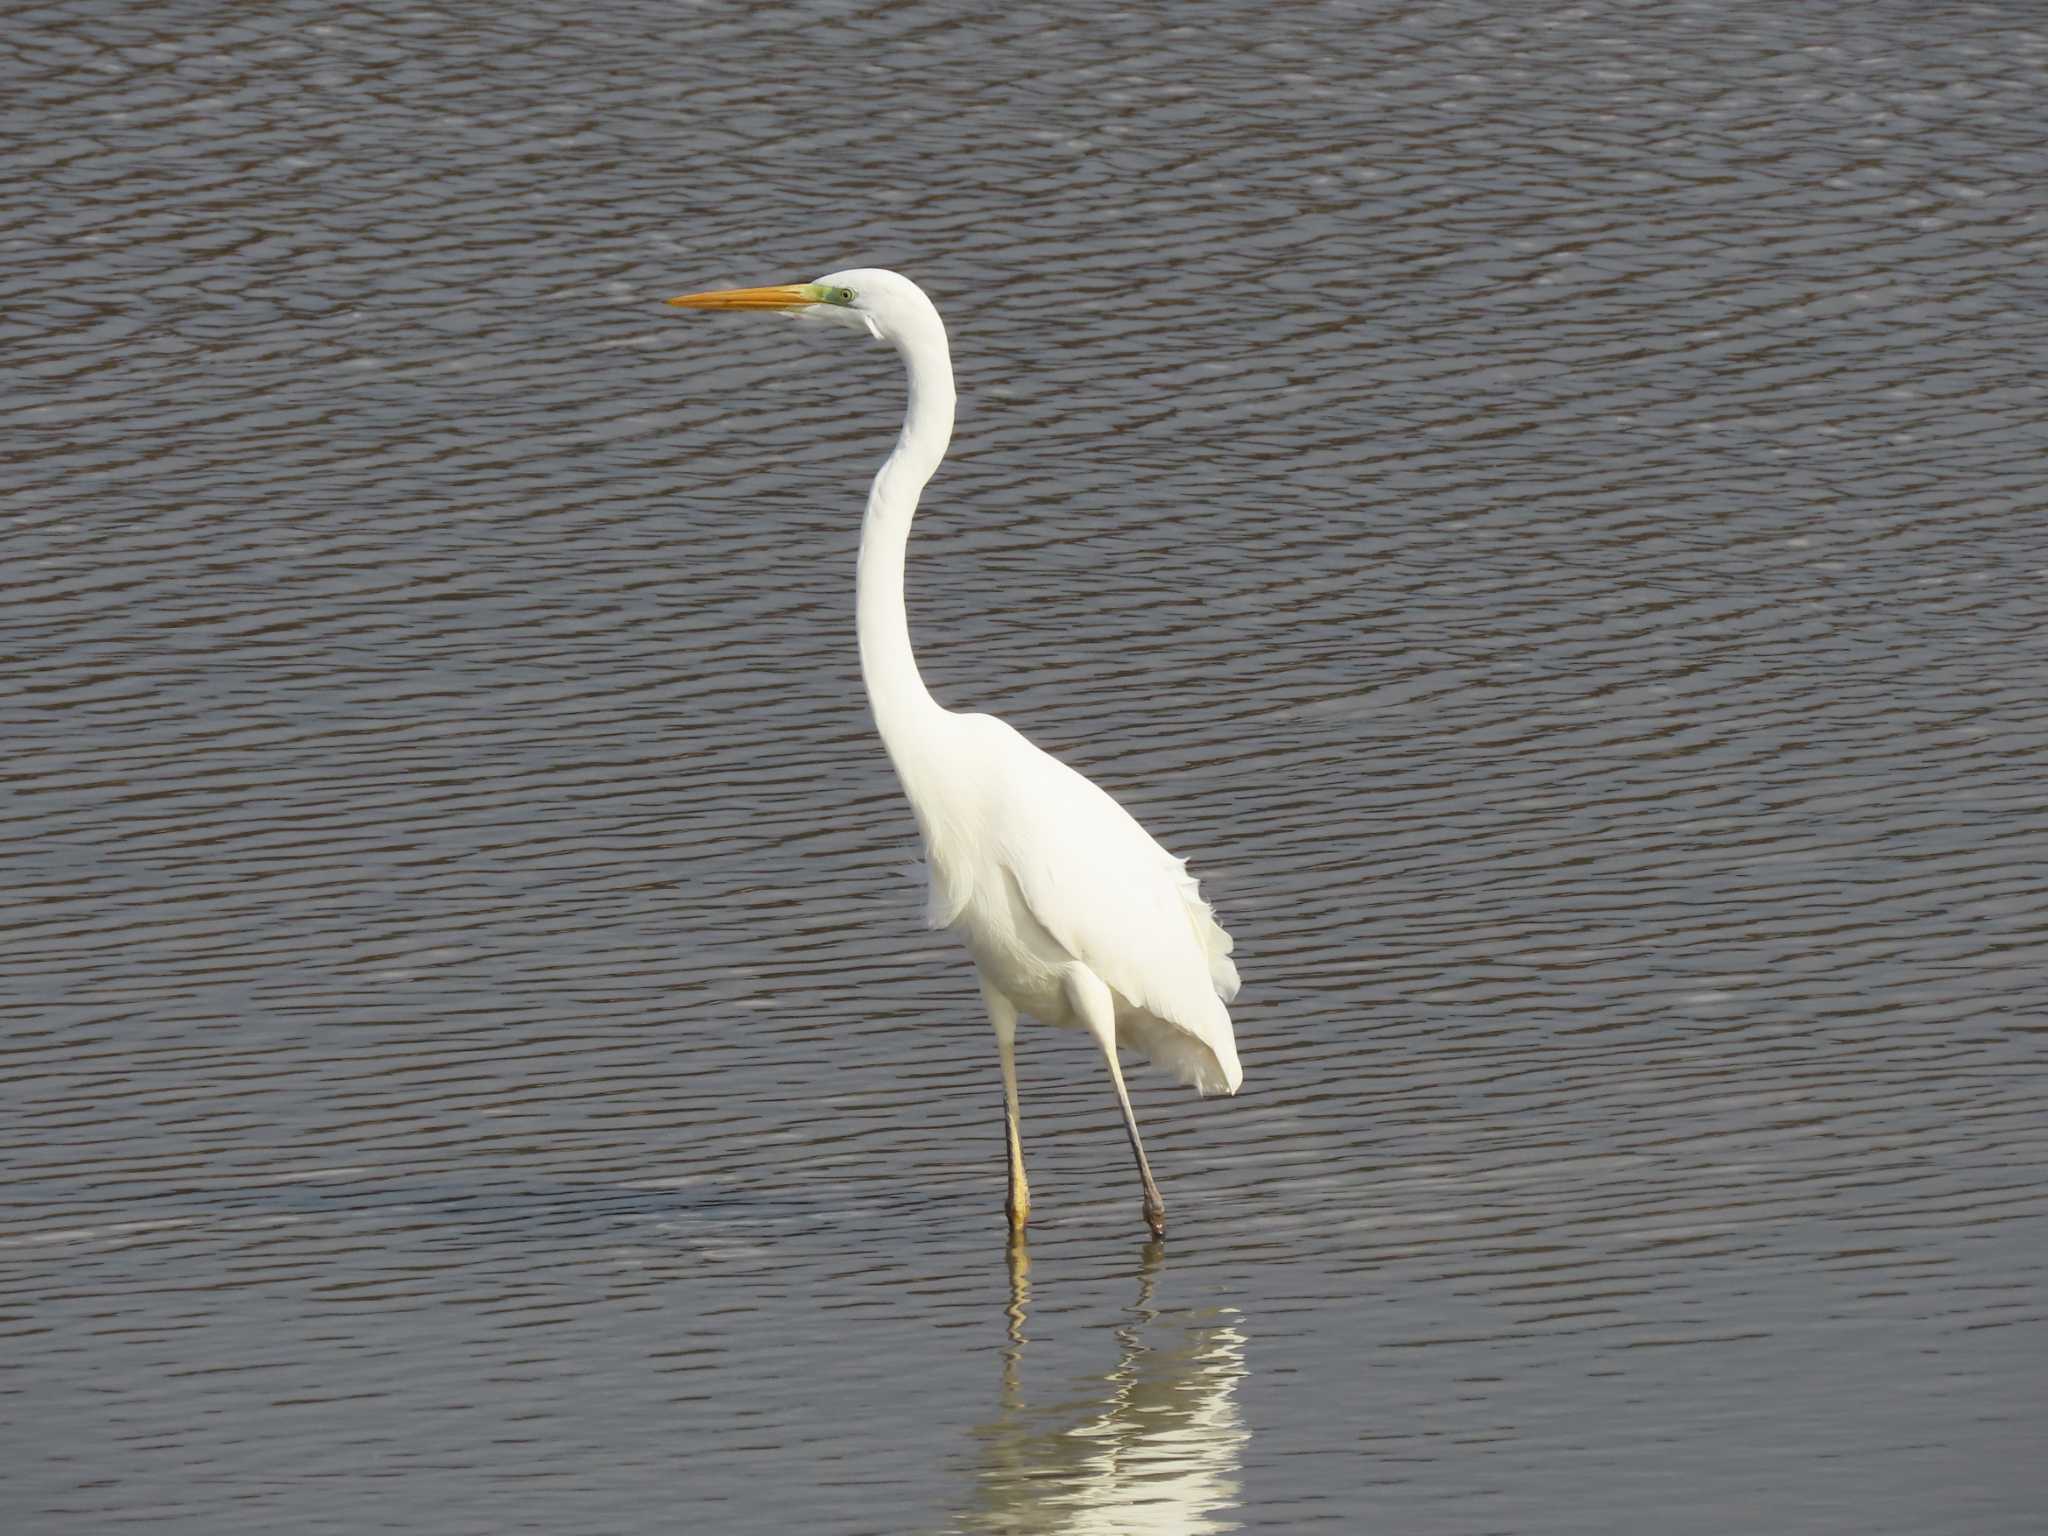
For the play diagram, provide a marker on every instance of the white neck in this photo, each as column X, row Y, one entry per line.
column 905, row 713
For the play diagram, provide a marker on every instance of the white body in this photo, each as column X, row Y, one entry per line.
column 1067, row 905
column 1049, row 881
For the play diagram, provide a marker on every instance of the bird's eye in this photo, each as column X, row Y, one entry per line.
column 842, row 295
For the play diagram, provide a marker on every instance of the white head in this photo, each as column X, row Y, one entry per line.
column 886, row 305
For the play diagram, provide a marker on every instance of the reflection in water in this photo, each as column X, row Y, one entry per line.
column 1155, row 1445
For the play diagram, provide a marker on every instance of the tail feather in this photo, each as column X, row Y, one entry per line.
column 1216, row 944
column 1207, row 1062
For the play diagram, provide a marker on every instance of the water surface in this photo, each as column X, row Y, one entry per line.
column 1541, row 505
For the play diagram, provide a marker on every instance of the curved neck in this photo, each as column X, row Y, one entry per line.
column 904, row 710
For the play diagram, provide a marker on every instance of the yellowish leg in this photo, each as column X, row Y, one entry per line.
column 1003, row 1015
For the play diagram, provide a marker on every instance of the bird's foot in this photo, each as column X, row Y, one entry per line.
column 1155, row 1217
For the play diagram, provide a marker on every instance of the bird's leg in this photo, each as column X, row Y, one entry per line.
column 1003, row 1015
column 1091, row 998
column 1155, row 1208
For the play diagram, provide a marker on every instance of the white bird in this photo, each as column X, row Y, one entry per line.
column 1073, row 914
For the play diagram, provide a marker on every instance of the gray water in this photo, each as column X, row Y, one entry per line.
column 1541, row 504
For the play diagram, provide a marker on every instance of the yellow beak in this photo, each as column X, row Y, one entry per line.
column 781, row 296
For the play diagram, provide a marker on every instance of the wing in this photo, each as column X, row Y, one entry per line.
column 1112, row 897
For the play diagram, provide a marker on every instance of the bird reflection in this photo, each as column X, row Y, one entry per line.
column 1155, row 1445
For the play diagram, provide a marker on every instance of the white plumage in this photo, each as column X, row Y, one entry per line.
column 1072, row 912
column 1039, row 870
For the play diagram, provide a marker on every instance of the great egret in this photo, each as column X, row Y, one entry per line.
column 1073, row 914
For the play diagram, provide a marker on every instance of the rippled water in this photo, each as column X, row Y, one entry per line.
column 1543, row 505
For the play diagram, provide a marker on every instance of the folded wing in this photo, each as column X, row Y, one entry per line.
column 1123, row 906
